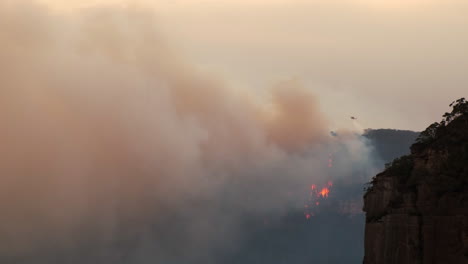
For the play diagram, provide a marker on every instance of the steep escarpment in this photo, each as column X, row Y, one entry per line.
column 417, row 209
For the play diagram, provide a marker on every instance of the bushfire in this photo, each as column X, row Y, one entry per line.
column 317, row 194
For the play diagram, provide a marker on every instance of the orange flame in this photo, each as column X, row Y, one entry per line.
column 324, row 192
column 314, row 199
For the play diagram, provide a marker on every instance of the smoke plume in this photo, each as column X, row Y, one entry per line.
column 114, row 149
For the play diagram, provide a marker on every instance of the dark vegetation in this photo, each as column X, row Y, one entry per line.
column 438, row 130
column 449, row 137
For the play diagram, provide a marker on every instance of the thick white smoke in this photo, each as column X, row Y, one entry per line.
column 108, row 138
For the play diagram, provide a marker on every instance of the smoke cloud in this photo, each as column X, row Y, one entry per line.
column 114, row 149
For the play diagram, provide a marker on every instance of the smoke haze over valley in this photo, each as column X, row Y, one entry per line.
column 119, row 145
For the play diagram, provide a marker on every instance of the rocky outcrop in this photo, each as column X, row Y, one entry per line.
column 417, row 209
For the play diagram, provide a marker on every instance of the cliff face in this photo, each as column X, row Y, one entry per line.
column 417, row 209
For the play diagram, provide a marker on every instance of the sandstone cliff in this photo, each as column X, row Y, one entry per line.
column 417, row 209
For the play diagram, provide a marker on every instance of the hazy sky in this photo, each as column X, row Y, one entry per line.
column 391, row 63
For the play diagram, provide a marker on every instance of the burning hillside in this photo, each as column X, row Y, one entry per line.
column 114, row 150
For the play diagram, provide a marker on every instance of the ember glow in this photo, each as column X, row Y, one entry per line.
column 324, row 192
column 316, row 195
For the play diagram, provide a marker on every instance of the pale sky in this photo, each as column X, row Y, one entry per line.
column 391, row 63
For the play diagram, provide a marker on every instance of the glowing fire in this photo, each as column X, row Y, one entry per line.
column 317, row 194
column 324, row 192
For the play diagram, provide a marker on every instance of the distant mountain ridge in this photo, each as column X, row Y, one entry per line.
column 390, row 143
